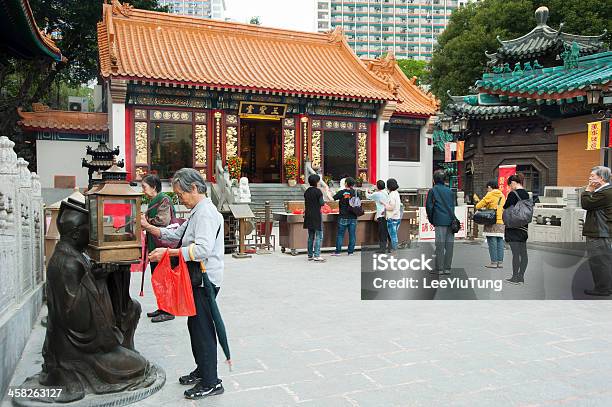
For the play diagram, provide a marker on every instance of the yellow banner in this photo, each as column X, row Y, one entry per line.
column 594, row 136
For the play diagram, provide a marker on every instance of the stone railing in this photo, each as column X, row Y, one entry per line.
column 21, row 254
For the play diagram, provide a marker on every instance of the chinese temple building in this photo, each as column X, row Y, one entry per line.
column 531, row 110
column 60, row 138
column 182, row 90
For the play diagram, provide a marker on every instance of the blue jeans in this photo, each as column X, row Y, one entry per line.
column 315, row 237
column 445, row 240
column 393, row 227
column 496, row 248
column 351, row 225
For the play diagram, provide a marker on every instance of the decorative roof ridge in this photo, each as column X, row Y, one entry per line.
column 588, row 39
column 337, row 36
column 410, row 84
column 545, row 30
column 183, row 21
column 584, row 62
column 456, row 98
column 539, row 34
column 386, row 67
column 44, row 38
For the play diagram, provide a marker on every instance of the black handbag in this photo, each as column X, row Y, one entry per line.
column 486, row 216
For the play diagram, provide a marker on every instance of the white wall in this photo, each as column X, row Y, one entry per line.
column 61, row 158
column 414, row 174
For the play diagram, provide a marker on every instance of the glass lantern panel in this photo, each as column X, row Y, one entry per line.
column 119, row 220
column 93, row 219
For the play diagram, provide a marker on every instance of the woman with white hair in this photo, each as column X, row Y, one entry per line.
column 202, row 248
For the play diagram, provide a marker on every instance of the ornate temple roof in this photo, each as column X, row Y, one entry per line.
column 43, row 118
column 414, row 100
column 543, row 40
column 21, row 36
column 166, row 48
column 485, row 107
column 566, row 83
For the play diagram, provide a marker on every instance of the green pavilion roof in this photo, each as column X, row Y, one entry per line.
column 543, row 40
column 485, row 107
column 567, row 83
column 20, row 35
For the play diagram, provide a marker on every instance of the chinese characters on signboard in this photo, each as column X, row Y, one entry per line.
column 427, row 231
column 505, row 171
column 259, row 110
column 594, row 136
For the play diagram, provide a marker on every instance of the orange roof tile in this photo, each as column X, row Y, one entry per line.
column 414, row 99
column 42, row 118
column 137, row 44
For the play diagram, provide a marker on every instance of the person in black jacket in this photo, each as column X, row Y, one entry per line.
column 313, row 221
column 440, row 206
column 517, row 237
column 597, row 200
column 346, row 218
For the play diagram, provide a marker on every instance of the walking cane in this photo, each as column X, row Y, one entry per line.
column 145, row 262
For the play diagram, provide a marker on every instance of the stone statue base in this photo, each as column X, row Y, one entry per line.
column 154, row 381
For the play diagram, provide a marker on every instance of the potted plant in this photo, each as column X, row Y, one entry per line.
column 234, row 166
column 291, row 170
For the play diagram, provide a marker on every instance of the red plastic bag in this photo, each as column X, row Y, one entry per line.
column 298, row 212
column 326, row 209
column 172, row 287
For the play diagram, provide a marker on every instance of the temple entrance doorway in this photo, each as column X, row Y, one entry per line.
column 340, row 154
column 261, row 150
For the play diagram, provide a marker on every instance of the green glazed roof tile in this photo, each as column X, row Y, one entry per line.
column 594, row 69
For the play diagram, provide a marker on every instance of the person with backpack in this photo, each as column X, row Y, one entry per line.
column 394, row 212
column 516, row 217
column 381, row 197
column 348, row 214
column 313, row 221
column 597, row 201
column 440, row 208
column 494, row 200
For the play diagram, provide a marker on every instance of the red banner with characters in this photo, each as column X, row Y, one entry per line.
column 505, row 171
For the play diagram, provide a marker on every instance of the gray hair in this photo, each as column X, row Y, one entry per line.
column 601, row 171
column 185, row 178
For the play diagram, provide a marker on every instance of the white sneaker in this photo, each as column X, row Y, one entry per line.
column 320, row 259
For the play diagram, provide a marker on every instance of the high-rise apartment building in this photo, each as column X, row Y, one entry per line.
column 409, row 28
column 197, row 8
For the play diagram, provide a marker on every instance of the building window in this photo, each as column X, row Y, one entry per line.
column 171, row 148
column 404, row 144
column 532, row 178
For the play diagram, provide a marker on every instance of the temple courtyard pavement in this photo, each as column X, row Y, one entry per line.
column 301, row 336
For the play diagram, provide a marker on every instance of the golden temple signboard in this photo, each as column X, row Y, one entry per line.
column 260, row 110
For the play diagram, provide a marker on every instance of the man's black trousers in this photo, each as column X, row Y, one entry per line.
column 203, row 337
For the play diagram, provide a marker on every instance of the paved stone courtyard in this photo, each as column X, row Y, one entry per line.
column 301, row 336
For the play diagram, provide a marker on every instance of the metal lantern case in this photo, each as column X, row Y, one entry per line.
column 114, row 223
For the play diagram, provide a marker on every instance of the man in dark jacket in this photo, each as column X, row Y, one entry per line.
column 597, row 201
column 313, row 201
column 440, row 206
